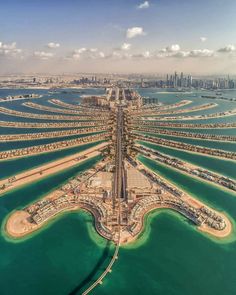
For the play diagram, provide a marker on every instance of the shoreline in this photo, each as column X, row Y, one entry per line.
column 194, row 201
column 55, row 150
column 186, row 147
column 146, row 232
column 18, row 225
column 50, row 134
column 195, row 118
column 187, row 137
column 141, row 239
column 51, row 168
column 197, row 108
column 203, row 127
column 36, row 229
column 190, row 152
column 228, row 190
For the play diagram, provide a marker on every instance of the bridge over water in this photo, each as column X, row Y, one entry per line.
column 118, row 193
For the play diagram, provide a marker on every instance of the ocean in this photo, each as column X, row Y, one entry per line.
column 171, row 257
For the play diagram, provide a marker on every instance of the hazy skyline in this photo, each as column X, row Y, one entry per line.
column 155, row 36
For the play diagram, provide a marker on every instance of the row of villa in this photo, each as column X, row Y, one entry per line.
column 92, row 123
column 199, row 117
column 185, row 146
column 32, row 150
column 138, row 122
column 52, row 117
column 185, row 134
column 179, row 111
column 188, row 168
column 53, row 134
column 80, row 112
column 158, row 107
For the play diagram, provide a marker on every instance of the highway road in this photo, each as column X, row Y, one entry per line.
column 118, row 193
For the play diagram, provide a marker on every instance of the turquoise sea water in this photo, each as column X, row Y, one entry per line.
column 30, row 130
column 214, row 144
column 11, row 167
column 170, row 258
column 224, row 167
column 223, row 131
column 59, row 257
column 28, row 143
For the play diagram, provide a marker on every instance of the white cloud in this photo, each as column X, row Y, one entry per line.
column 145, row 55
column 143, row 5
column 135, row 31
column 173, row 48
column 118, row 54
column 80, row 50
column 10, row 46
column 228, row 48
column 174, row 51
column 194, row 53
column 201, row 53
column 53, row 45
column 203, row 39
column 43, row 55
column 125, row 46
column 91, row 53
column 76, row 56
column 77, row 53
column 9, row 49
column 181, row 54
column 124, row 55
column 101, row 54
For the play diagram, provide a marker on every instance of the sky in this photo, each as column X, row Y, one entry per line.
column 118, row 36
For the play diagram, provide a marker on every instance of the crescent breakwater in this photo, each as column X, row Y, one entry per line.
column 20, row 97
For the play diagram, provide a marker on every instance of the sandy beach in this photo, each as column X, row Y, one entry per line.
column 50, row 168
column 192, row 166
column 187, row 151
column 18, row 226
column 198, row 204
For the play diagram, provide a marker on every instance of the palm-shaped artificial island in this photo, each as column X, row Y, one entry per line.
column 122, row 130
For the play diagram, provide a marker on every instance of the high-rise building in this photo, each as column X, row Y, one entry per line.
column 189, row 81
column 175, row 80
column 181, row 84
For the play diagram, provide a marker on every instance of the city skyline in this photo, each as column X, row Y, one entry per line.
column 118, row 147
column 118, row 36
